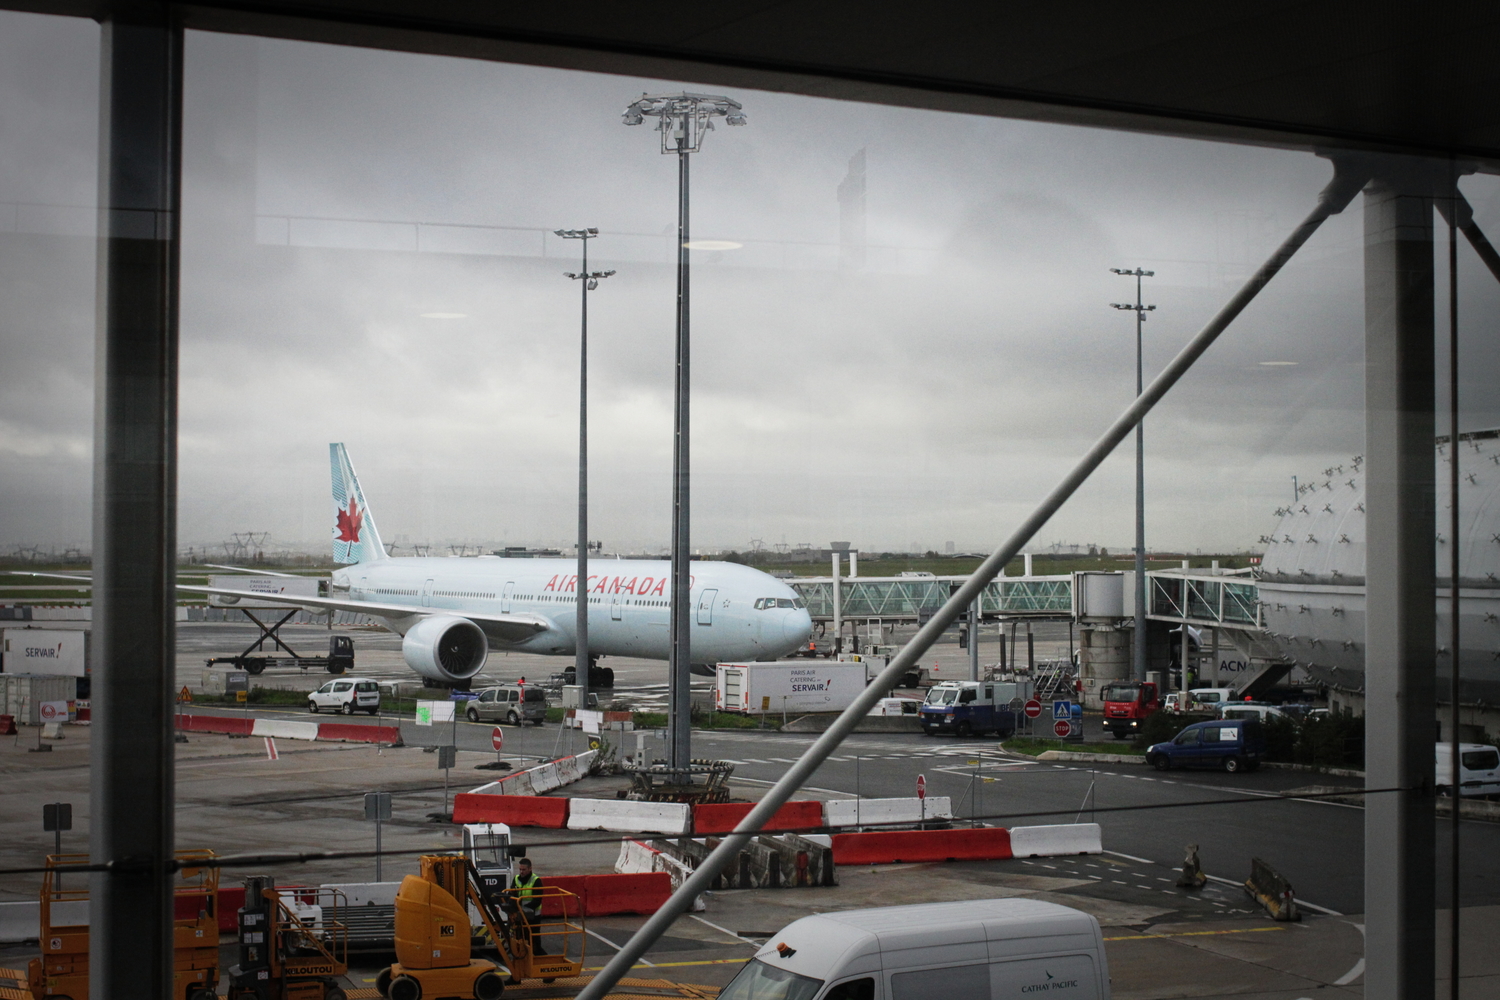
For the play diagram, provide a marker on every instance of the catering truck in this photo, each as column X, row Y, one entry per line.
column 802, row 686
column 45, row 651
column 1005, row 949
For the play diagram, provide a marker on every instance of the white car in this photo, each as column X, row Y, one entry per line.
column 347, row 695
column 896, row 706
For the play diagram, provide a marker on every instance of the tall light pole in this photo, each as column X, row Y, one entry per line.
column 589, row 281
column 1140, row 310
column 683, row 120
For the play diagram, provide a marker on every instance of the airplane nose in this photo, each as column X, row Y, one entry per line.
column 797, row 627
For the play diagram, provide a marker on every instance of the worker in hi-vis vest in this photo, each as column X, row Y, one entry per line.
column 526, row 889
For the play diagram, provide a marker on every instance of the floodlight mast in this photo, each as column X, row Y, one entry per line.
column 683, row 120
column 1138, row 658
column 590, row 281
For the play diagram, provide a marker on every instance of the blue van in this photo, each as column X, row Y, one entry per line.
column 1228, row 744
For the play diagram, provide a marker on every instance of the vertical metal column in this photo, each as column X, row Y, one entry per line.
column 135, row 486
column 838, row 605
column 1400, row 581
column 974, row 639
column 581, row 594
column 680, row 678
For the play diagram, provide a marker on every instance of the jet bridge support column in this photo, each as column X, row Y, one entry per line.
column 1400, row 579
column 135, row 490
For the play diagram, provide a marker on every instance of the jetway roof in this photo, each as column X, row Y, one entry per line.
column 1299, row 73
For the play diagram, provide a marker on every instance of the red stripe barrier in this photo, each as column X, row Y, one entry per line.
column 578, row 885
column 230, row 901
column 607, row 895
column 724, row 817
column 215, row 724
column 350, row 733
column 921, row 845
column 642, row 893
column 516, row 810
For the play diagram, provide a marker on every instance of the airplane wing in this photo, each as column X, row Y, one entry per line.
column 252, row 572
column 505, row 628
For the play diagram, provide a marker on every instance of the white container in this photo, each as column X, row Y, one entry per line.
column 798, row 686
column 978, row 948
column 60, row 652
column 22, row 695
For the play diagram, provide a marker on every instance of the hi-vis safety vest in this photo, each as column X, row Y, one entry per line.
column 528, row 887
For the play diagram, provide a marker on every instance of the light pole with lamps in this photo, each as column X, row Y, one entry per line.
column 683, row 120
column 590, row 280
column 1140, row 310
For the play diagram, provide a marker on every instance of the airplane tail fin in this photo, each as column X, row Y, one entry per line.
column 354, row 536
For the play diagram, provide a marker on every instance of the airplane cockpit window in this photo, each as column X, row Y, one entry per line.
column 785, row 602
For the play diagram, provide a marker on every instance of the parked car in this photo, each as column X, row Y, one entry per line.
column 896, row 706
column 509, row 703
column 1250, row 710
column 347, row 695
column 1230, row 744
column 1478, row 769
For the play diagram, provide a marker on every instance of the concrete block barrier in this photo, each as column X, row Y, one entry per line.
column 869, row 812
column 284, row 729
column 724, row 817
column 1270, row 889
column 1053, row 841
column 515, row 810
column 643, row 893
column 625, row 816
column 215, row 724
column 544, row 778
column 986, row 844
column 345, row 732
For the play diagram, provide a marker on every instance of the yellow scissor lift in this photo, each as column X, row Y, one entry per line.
column 62, row 973
column 433, row 936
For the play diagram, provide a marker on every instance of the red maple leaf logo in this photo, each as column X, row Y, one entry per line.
column 349, row 522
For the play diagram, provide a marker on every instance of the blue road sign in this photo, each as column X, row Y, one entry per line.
column 1062, row 709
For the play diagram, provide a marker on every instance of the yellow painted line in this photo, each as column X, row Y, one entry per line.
column 1147, row 937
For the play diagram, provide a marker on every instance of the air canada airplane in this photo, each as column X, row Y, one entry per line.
column 452, row 611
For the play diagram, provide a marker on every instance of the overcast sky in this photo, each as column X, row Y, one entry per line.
column 932, row 395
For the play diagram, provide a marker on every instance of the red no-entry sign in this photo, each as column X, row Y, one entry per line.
column 921, row 786
column 497, row 737
column 1033, row 709
column 1063, row 728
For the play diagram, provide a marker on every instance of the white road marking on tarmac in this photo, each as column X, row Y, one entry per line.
column 1359, row 967
column 616, row 947
column 724, row 930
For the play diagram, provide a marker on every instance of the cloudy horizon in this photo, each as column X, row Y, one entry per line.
column 364, row 261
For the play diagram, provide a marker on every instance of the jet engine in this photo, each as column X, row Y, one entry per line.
column 445, row 648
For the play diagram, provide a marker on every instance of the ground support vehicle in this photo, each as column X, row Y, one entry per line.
column 1230, row 744
column 968, row 708
column 977, row 948
column 340, row 655
column 293, row 946
column 1478, row 769
column 1127, row 705
column 509, row 703
column 785, row 687
column 62, row 973
column 433, row 946
column 347, row 695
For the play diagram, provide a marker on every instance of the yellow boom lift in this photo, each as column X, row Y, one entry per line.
column 292, row 944
column 62, row 973
column 433, row 935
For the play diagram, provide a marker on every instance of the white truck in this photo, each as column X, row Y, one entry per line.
column 999, row 949
column 63, row 652
column 800, row 686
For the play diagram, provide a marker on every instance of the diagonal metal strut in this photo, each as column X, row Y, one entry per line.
column 1458, row 205
column 1349, row 177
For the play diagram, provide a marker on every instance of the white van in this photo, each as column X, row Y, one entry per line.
column 1478, row 769
column 1211, row 696
column 981, row 949
column 1249, row 710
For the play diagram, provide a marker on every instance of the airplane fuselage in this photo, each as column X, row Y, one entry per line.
column 738, row 613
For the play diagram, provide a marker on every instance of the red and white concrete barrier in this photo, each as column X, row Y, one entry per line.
column 286, row 729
